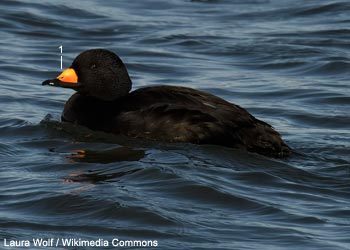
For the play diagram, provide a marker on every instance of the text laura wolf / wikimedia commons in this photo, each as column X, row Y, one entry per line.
column 78, row 242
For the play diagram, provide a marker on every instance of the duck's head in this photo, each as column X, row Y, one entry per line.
column 98, row 73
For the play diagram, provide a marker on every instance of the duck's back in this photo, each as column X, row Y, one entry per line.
column 178, row 114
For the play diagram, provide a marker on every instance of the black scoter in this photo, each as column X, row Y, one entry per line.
column 103, row 102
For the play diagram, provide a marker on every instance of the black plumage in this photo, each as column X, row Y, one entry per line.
column 166, row 113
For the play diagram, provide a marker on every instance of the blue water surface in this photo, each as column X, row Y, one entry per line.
column 285, row 61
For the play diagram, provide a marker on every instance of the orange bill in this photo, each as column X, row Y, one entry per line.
column 67, row 79
column 68, row 75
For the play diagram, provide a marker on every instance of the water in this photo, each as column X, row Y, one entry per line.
column 286, row 61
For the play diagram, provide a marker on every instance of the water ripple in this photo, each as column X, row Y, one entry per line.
column 287, row 63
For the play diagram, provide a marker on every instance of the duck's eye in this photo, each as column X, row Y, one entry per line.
column 93, row 66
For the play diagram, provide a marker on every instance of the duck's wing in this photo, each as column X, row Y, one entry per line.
column 179, row 114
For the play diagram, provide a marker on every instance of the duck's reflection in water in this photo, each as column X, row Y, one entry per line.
column 119, row 154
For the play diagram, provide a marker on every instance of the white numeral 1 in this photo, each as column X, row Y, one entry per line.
column 61, row 47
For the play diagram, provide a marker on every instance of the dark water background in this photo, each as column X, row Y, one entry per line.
column 286, row 61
